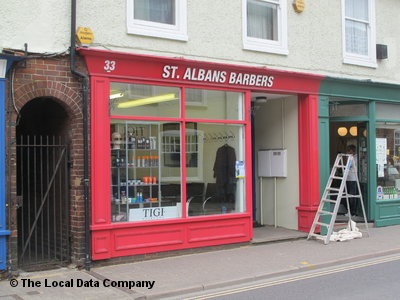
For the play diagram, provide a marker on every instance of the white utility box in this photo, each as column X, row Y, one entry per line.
column 272, row 163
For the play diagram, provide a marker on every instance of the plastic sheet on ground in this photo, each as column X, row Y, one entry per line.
column 349, row 233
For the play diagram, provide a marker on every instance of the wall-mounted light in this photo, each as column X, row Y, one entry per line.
column 342, row 131
column 145, row 101
column 353, row 130
column 261, row 100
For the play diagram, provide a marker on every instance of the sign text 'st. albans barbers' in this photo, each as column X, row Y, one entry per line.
column 217, row 76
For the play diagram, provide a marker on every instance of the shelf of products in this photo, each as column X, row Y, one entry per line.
column 135, row 168
column 388, row 193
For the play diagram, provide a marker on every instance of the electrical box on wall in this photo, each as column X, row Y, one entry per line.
column 272, row 163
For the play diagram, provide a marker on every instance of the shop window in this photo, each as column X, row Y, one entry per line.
column 221, row 105
column 265, row 25
column 128, row 99
column 158, row 18
column 388, row 160
column 147, row 155
column 140, row 190
column 222, row 189
column 359, row 32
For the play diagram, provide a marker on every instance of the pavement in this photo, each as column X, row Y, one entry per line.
column 173, row 277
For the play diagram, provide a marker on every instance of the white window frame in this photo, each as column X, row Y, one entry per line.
column 278, row 47
column 357, row 59
column 155, row 29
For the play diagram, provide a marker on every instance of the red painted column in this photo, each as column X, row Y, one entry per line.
column 308, row 161
column 100, row 168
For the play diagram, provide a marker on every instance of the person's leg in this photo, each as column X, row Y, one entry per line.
column 353, row 200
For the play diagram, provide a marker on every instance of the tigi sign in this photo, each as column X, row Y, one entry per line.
column 153, row 213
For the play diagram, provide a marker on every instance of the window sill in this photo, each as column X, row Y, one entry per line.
column 360, row 62
column 159, row 34
column 273, row 49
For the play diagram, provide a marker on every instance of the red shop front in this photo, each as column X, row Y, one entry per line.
column 171, row 163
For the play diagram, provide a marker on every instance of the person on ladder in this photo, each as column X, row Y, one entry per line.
column 351, row 183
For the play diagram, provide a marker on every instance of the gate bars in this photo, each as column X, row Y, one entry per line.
column 43, row 200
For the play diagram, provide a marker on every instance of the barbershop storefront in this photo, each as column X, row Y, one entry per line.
column 171, row 151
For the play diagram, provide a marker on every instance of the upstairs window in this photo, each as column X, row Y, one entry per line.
column 265, row 25
column 359, row 32
column 158, row 18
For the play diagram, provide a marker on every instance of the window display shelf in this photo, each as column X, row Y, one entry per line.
column 136, row 185
column 135, row 168
column 128, row 167
column 387, row 200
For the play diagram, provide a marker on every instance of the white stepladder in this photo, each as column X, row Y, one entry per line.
column 334, row 195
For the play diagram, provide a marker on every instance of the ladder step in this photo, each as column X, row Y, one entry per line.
column 337, row 177
column 334, row 194
column 324, row 212
column 333, row 189
column 339, row 165
column 322, row 224
column 328, row 200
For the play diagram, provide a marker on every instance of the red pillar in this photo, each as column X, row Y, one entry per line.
column 308, row 161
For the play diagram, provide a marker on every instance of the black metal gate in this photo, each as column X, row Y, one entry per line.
column 43, row 201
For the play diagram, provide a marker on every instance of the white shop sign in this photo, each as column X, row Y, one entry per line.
column 153, row 213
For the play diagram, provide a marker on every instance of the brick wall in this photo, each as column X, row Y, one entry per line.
column 50, row 77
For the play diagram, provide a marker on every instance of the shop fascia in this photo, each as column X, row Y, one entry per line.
column 165, row 69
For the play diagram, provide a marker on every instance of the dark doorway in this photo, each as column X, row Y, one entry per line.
column 343, row 134
column 42, row 185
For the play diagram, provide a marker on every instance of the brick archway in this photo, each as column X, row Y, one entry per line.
column 51, row 78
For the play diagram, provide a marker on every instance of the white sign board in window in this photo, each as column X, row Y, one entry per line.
column 272, row 163
column 381, row 148
column 153, row 213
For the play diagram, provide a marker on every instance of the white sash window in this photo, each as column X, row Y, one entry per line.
column 265, row 25
column 359, row 32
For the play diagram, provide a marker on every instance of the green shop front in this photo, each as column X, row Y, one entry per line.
column 365, row 114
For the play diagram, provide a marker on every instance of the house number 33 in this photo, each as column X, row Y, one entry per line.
column 109, row 65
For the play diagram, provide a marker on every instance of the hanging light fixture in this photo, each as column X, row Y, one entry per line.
column 342, row 131
column 353, row 130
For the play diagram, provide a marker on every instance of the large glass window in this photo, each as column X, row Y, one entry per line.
column 141, row 184
column 265, row 25
column 388, row 160
column 150, row 157
column 359, row 32
column 221, row 189
column 159, row 18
